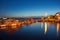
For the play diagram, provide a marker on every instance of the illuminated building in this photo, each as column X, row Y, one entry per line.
column 57, row 15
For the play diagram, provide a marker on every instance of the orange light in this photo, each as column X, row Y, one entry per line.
column 3, row 25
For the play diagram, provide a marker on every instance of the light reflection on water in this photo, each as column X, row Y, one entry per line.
column 42, row 30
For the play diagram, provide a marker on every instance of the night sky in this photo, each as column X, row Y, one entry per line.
column 15, row 8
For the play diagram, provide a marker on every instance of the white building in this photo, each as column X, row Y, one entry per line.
column 58, row 15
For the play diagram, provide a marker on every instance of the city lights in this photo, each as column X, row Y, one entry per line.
column 15, row 23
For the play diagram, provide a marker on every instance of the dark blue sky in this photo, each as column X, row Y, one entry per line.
column 29, row 7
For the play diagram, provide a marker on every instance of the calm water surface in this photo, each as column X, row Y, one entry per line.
column 35, row 31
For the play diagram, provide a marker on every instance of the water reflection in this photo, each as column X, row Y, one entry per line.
column 42, row 24
column 57, row 28
column 45, row 27
column 40, row 29
column 57, row 25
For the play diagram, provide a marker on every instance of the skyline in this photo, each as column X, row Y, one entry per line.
column 16, row 8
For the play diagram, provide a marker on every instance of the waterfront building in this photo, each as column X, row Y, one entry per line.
column 57, row 15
